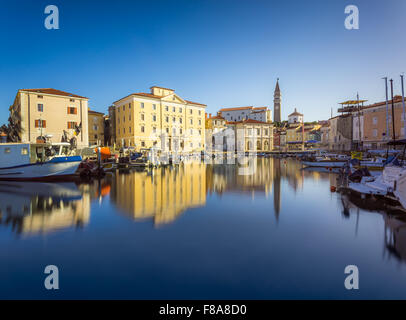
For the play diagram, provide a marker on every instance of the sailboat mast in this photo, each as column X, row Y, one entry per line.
column 359, row 125
column 404, row 109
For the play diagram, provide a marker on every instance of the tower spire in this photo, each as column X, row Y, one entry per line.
column 277, row 103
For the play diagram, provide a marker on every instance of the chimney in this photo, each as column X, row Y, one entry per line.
column 209, row 115
column 205, row 115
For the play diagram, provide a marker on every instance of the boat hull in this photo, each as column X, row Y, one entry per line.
column 52, row 170
column 324, row 164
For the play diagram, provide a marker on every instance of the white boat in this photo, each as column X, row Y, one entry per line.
column 390, row 184
column 40, row 161
column 324, row 162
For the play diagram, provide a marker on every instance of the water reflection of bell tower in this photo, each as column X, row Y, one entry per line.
column 277, row 187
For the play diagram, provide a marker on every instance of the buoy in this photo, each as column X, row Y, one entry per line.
column 333, row 189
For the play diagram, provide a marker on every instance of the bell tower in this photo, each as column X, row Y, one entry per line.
column 277, row 103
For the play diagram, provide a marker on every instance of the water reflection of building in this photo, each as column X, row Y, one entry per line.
column 163, row 194
column 31, row 208
column 395, row 223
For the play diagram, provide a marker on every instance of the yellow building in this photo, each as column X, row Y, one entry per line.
column 214, row 125
column 96, row 128
column 161, row 197
column 50, row 112
column 161, row 119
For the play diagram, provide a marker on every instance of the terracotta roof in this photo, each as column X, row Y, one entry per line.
column 247, row 121
column 396, row 99
column 96, row 112
column 260, row 108
column 235, row 109
column 216, row 117
column 191, row 102
column 149, row 95
column 54, row 92
column 295, row 114
column 161, row 88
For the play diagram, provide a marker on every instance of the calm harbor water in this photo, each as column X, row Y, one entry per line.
column 199, row 232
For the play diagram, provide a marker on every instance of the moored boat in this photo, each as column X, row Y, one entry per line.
column 40, row 161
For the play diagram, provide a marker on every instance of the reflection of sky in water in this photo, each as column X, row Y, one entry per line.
column 199, row 232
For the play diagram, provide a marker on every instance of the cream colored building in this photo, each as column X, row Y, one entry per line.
column 96, row 128
column 252, row 135
column 160, row 119
column 48, row 112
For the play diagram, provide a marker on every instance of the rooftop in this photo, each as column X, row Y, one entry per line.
column 54, row 92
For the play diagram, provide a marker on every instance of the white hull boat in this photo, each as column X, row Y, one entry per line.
column 19, row 161
column 325, row 163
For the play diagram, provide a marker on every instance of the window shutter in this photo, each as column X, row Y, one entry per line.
column 36, row 123
column 75, row 110
column 44, row 123
column 68, row 125
column 68, row 110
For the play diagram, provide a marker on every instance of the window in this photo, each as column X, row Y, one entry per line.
column 200, row 112
column 129, row 117
column 40, row 107
column 173, row 119
column 191, row 121
column 200, row 122
column 173, row 108
column 167, row 119
column 123, row 107
column 200, row 132
column 124, row 119
column 142, row 105
column 166, row 108
column 191, row 111
column 40, row 124
column 154, row 117
column 191, row 131
column 258, row 132
column 374, row 120
column 95, row 136
column 180, row 110
column 375, row 133
column 129, row 129
column 180, row 120
column 154, row 129
column 142, row 143
column 180, row 131
column 167, row 130
column 72, row 100
column 129, row 106
column 40, row 97
column 142, row 117
column 174, row 131
column 266, row 132
column 142, row 129
column 123, row 130
column 24, row 151
column 95, row 127
column 72, row 110
column 154, row 107
column 191, row 144
column 71, row 124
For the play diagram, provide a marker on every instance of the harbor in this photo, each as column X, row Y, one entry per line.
column 176, row 232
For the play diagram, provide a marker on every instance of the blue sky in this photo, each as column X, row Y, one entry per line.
column 222, row 53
